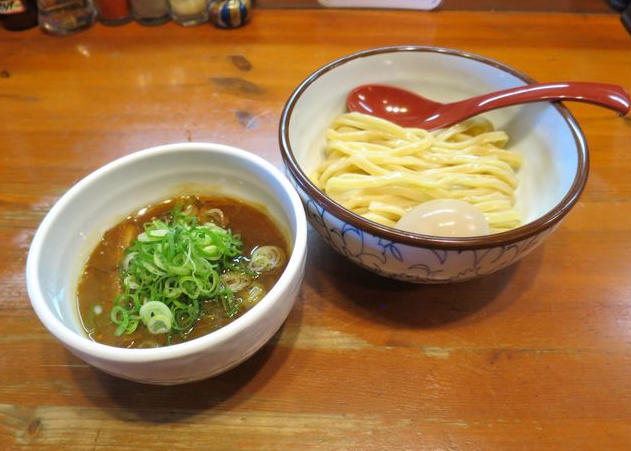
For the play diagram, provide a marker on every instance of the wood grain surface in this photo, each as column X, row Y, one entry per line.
column 536, row 357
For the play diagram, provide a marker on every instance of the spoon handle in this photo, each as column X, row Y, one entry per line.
column 609, row 96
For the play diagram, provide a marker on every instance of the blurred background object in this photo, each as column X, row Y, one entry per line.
column 113, row 12
column 626, row 18
column 624, row 7
column 18, row 14
column 62, row 17
column 389, row 4
column 151, row 12
column 619, row 5
column 189, row 12
column 229, row 13
column 580, row 6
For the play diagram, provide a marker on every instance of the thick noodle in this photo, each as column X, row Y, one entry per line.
column 380, row 170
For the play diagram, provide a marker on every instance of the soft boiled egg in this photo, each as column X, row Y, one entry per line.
column 446, row 218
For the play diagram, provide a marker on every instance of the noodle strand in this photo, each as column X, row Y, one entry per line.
column 380, row 170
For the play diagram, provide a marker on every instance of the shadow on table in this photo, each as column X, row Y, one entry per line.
column 132, row 401
column 402, row 304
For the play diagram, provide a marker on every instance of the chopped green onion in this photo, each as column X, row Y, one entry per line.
column 158, row 324
column 254, row 293
column 235, row 281
column 120, row 317
column 266, row 258
column 230, row 304
column 216, row 216
column 132, row 326
column 152, row 308
column 176, row 263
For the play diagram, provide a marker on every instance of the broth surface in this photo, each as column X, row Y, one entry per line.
column 100, row 281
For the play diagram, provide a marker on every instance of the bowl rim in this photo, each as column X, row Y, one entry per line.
column 533, row 228
column 86, row 347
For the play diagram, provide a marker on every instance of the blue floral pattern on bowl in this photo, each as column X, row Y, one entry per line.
column 413, row 264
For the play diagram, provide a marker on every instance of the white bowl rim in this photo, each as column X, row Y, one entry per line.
column 521, row 233
column 101, row 351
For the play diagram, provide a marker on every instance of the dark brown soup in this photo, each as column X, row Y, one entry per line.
column 106, row 274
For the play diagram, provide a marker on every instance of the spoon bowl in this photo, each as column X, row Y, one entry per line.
column 409, row 109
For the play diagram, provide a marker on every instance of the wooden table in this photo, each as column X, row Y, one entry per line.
column 535, row 357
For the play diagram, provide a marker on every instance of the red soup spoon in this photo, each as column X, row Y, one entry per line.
column 408, row 109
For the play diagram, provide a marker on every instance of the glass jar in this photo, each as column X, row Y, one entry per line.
column 113, row 12
column 62, row 17
column 151, row 12
column 189, row 12
column 18, row 14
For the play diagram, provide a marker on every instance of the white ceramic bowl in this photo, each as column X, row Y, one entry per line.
column 74, row 225
column 551, row 178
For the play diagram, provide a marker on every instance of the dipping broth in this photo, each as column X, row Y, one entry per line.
column 102, row 279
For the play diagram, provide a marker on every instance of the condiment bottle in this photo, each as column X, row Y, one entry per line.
column 113, row 12
column 189, row 12
column 62, row 17
column 18, row 14
column 151, row 12
column 229, row 13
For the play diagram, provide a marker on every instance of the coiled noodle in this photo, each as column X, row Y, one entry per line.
column 380, row 170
